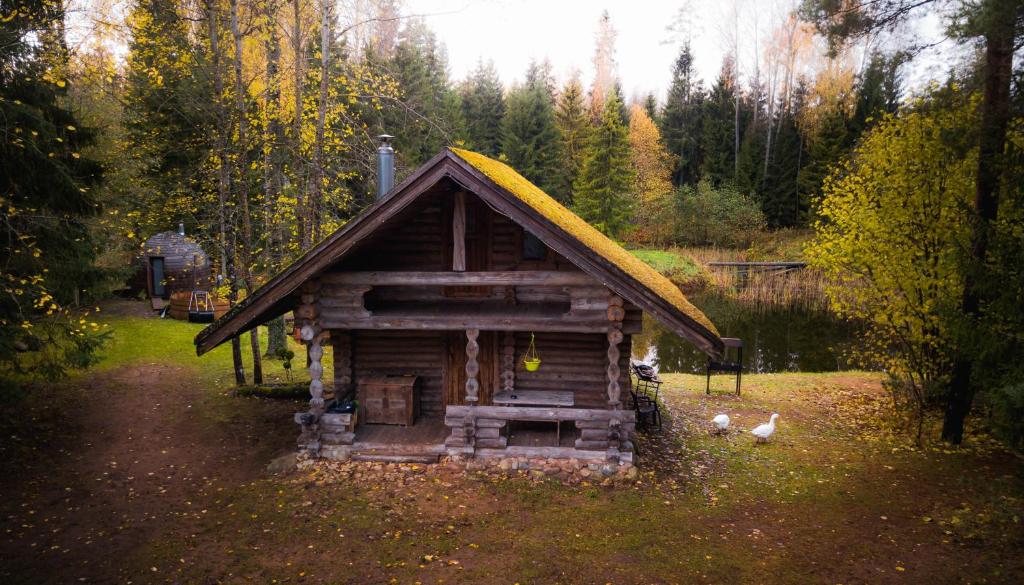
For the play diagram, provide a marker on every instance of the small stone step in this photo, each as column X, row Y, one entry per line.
column 396, row 457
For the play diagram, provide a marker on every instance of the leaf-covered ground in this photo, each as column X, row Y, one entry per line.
column 150, row 470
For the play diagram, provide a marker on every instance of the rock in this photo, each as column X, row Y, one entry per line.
column 608, row 470
column 585, row 472
column 506, row 464
column 632, row 472
column 283, row 464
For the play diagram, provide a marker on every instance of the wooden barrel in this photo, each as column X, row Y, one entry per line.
column 180, row 301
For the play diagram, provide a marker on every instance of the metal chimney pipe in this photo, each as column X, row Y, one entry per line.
column 385, row 166
column 181, row 228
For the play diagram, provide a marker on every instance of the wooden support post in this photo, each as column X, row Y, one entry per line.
column 459, row 232
column 508, row 362
column 614, row 389
column 614, row 339
column 344, row 385
column 313, row 337
column 308, row 319
column 472, row 366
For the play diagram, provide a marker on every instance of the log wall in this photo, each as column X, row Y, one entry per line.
column 398, row 353
column 571, row 361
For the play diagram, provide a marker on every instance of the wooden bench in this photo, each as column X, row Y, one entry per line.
column 535, row 398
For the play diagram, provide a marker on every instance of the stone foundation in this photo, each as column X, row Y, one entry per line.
column 565, row 470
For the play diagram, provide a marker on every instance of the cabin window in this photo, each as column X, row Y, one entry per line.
column 157, row 277
column 533, row 248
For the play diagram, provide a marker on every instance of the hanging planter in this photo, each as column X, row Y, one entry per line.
column 531, row 361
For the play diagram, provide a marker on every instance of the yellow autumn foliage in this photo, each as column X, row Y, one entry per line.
column 893, row 222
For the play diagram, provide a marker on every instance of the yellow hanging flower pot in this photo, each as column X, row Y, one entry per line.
column 531, row 361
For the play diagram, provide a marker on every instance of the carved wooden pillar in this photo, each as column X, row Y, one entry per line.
column 615, row 315
column 472, row 366
column 459, row 232
column 508, row 362
column 315, row 351
column 308, row 318
column 614, row 389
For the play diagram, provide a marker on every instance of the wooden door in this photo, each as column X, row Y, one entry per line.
column 455, row 368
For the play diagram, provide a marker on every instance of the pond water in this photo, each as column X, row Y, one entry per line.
column 774, row 339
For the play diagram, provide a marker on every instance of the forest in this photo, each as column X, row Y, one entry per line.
column 254, row 124
column 843, row 193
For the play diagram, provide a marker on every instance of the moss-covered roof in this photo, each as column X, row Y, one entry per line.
column 507, row 178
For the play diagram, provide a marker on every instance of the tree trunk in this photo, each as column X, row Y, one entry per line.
column 300, row 193
column 316, row 196
column 223, row 179
column 241, row 168
column 273, row 141
column 995, row 115
column 277, row 341
column 736, row 131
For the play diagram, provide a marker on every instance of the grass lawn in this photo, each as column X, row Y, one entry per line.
column 667, row 261
column 150, row 470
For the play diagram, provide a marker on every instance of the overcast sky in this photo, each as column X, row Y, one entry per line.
column 511, row 32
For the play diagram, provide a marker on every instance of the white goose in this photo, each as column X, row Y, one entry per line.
column 721, row 423
column 765, row 431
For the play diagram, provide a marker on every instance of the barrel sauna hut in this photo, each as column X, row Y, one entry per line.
column 170, row 268
column 470, row 316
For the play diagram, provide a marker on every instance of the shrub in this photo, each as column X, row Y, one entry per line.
column 709, row 216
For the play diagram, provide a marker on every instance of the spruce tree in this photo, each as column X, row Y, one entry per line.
column 717, row 132
column 878, row 92
column 483, row 107
column 825, row 147
column 530, row 139
column 651, row 108
column 602, row 193
column 573, row 125
column 681, row 119
column 47, row 254
column 168, row 118
column 780, row 199
column 428, row 119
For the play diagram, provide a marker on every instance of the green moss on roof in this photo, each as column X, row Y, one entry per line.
column 545, row 205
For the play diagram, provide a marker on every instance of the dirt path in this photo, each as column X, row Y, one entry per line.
column 143, row 475
column 135, row 453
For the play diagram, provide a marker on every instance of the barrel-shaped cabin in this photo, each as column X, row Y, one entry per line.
column 170, row 262
column 439, row 301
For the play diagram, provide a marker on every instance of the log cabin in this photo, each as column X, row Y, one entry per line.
column 435, row 299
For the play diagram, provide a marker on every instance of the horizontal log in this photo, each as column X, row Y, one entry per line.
column 536, row 413
column 492, row 443
column 454, row 442
column 480, row 422
column 337, row 438
column 591, row 445
column 529, row 277
column 488, row 433
column 333, row 320
column 336, row 418
column 594, row 434
column 603, row 424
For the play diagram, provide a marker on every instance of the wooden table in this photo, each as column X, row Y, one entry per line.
column 537, row 398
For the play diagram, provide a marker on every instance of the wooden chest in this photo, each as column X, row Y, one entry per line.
column 390, row 400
